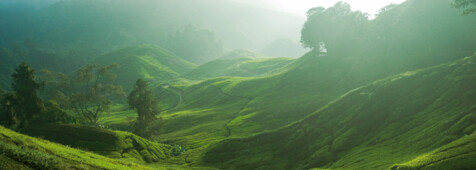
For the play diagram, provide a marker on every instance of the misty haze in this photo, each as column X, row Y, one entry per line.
column 238, row 84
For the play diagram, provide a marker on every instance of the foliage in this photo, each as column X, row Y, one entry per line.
column 459, row 154
column 469, row 6
column 41, row 154
column 371, row 127
column 238, row 63
column 336, row 28
column 144, row 102
column 53, row 113
column 149, row 62
column 21, row 106
column 178, row 150
column 55, row 86
column 92, row 91
column 112, row 144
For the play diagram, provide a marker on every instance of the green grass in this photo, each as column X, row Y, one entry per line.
column 221, row 120
column 21, row 151
column 113, row 144
column 389, row 121
column 145, row 61
column 459, row 154
column 232, row 107
column 238, row 64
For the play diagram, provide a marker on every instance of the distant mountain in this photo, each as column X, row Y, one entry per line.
column 148, row 62
column 238, row 63
column 107, row 24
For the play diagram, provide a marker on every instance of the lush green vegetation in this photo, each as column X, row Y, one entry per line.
column 456, row 155
column 20, row 151
column 165, row 84
column 238, row 63
column 113, row 144
column 359, row 130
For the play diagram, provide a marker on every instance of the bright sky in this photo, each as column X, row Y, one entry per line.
column 300, row 7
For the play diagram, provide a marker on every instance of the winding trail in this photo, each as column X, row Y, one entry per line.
column 249, row 99
column 180, row 93
column 177, row 91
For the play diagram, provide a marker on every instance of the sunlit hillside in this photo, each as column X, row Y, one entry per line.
column 238, row 84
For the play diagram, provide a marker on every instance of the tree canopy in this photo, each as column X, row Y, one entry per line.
column 20, row 107
column 144, row 102
column 469, row 6
column 337, row 27
column 93, row 92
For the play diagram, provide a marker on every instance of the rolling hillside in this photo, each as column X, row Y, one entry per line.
column 238, row 63
column 395, row 92
column 113, row 144
column 24, row 152
column 372, row 127
column 149, row 62
column 107, row 25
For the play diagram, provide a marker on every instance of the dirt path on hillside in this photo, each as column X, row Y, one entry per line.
column 177, row 91
column 180, row 93
column 249, row 99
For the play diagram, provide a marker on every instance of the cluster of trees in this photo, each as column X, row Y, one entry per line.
column 145, row 103
column 408, row 34
column 24, row 107
column 336, row 29
column 81, row 99
column 469, row 6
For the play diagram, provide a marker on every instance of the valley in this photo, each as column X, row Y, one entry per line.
column 162, row 84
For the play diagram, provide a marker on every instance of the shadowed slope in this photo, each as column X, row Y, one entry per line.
column 145, row 61
column 239, row 63
column 390, row 121
column 113, row 144
column 21, row 151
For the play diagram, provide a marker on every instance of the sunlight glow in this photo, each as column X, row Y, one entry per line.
column 300, row 7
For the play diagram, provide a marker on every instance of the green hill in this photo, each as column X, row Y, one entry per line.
column 113, row 144
column 459, row 154
column 239, row 63
column 149, row 62
column 315, row 79
column 24, row 152
column 373, row 127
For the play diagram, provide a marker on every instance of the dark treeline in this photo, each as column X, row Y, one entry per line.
column 408, row 36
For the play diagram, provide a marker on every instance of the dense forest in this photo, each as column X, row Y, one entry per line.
column 222, row 84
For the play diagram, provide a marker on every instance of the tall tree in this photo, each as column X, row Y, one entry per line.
column 144, row 102
column 338, row 29
column 56, row 87
column 21, row 106
column 93, row 92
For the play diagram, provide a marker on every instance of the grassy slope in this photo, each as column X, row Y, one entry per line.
column 302, row 88
column 24, row 152
column 220, row 108
column 145, row 61
column 113, row 144
column 459, row 154
column 238, row 63
column 390, row 121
